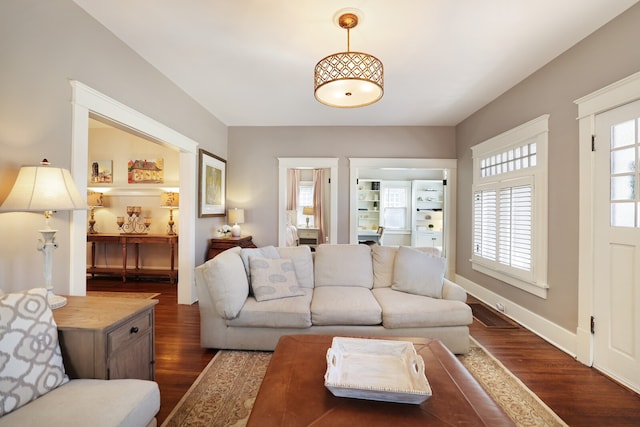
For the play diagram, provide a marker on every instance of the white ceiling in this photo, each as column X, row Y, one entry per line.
column 250, row 62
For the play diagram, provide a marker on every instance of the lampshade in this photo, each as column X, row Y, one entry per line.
column 307, row 210
column 236, row 216
column 94, row 199
column 349, row 79
column 169, row 199
column 43, row 188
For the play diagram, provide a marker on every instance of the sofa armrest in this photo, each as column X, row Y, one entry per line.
column 453, row 291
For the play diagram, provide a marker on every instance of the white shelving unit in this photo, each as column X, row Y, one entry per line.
column 368, row 205
column 427, row 218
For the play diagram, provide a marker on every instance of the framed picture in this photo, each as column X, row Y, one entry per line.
column 100, row 172
column 212, row 181
column 145, row 171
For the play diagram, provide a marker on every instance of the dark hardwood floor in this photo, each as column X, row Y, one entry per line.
column 580, row 395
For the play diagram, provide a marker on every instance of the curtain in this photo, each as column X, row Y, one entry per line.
column 293, row 182
column 318, row 195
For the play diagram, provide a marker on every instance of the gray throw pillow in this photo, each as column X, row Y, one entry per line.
column 30, row 358
column 273, row 279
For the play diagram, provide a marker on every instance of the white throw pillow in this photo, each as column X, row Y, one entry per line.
column 264, row 252
column 273, row 278
column 227, row 283
column 419, row 273
column 30, row 357
column 302, row 262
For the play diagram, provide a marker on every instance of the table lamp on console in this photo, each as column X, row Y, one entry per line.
column 170, row 200
column 236, row 216
column 45, row 189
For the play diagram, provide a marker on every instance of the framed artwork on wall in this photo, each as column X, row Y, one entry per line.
column 212, row 181
column 101, row 172
column 145, row 171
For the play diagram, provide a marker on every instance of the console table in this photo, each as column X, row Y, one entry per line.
column 133, row 239
column 107, row 338
column 221, row 244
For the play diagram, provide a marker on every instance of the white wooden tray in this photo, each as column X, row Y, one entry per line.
column 385, row 370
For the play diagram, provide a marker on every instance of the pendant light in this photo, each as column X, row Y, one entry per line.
column 349, row 79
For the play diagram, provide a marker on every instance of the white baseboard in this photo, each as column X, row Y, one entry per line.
column 547, row 330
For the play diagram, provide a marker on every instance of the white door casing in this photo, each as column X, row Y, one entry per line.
column 617, row 244
column 617, row 94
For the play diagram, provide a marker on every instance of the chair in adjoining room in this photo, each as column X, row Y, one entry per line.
column 378, row 240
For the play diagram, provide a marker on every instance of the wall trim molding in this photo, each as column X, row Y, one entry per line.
column 552, row 333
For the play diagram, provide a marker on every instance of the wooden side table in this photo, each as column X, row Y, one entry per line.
column 221, row 244
column 107, row 338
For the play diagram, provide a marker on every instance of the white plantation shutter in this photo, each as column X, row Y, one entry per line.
column 515, row 227
column 509, row 207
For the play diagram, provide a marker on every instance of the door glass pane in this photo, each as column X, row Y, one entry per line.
column 623, row 161
column 623, row 214
column 623, row 187
column 623, row 134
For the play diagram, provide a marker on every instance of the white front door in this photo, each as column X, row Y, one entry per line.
column 617, row 244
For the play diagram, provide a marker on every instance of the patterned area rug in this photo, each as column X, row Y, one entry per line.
column 224, row 393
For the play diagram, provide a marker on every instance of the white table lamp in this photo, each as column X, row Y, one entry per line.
column 308, row 210
column 45, row 189
column 236, row 216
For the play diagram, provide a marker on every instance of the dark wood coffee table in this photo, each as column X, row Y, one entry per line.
column 293, row 392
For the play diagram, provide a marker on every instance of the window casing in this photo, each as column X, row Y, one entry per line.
column 510, row 207
column 305, row 198
column 396, row 200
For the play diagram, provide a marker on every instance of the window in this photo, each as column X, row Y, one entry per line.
column 305, row 198
column 395, row 201
column 510, row 207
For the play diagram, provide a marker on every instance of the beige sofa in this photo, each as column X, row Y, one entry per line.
column 34, row 389
column 345, row 290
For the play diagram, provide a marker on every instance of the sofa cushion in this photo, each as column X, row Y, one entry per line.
column 302, row 262
column 278, row 313
column 418, row 273
column 30, row 358
column 227, row 282
column 273, row 279
column 96, row 403
column 343, row 265
column 383, row 258
column 403, row 310
column 264, row 252
column 344, row 305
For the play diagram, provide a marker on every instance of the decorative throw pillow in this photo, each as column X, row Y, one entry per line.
column 264, row 252
column 30, row 358
column 419, row 273
column 273, row 278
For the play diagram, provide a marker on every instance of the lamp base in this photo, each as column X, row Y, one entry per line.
column 235, row 231
column 55, row 301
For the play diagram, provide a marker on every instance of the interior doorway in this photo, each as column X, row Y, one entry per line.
column 408, row 170
column 86, row 102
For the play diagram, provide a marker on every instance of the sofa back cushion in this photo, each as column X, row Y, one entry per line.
column 302, row 263
column 226, row 280
column 30, row 358
column 343, row 265
column 417, row 272
column 384, row 259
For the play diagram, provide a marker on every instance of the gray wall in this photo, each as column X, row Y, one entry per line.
column 252, row 173
column 43, row 45
column 606, row 56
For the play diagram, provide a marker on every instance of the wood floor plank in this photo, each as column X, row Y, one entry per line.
column 580, row 395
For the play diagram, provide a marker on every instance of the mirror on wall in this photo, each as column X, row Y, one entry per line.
column 307, row 202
